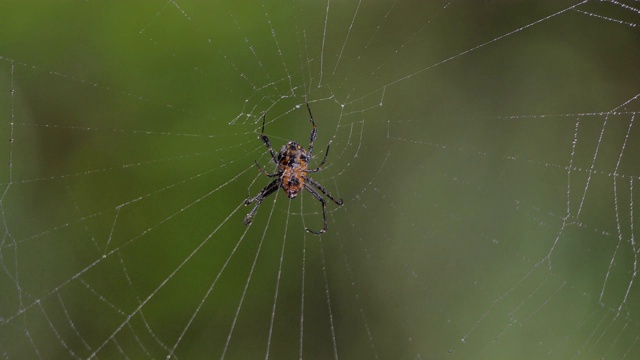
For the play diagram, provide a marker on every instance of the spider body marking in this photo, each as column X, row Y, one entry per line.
column 292, row 162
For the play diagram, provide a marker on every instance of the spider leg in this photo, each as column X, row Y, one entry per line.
column 265, row 139
column 324, row 191
column 266, row 191
column 266, row 173
column 326, row 153
column 324, row 210
column 314, row 132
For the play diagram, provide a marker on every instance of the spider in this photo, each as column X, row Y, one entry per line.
column 292, row 161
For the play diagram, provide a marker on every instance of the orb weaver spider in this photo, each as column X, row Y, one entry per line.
column 292, row 162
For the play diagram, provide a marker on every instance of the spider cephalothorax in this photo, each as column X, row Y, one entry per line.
column 292, row 161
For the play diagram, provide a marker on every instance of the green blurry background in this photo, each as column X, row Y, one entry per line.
column 489, row 190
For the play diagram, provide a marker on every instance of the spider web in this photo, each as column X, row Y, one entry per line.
column 486, row 152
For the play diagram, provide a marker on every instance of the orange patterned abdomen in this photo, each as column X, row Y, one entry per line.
column 292, row 162
column 293, row 181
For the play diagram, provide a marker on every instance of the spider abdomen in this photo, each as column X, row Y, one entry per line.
column 292, row 182
column 292, row 163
